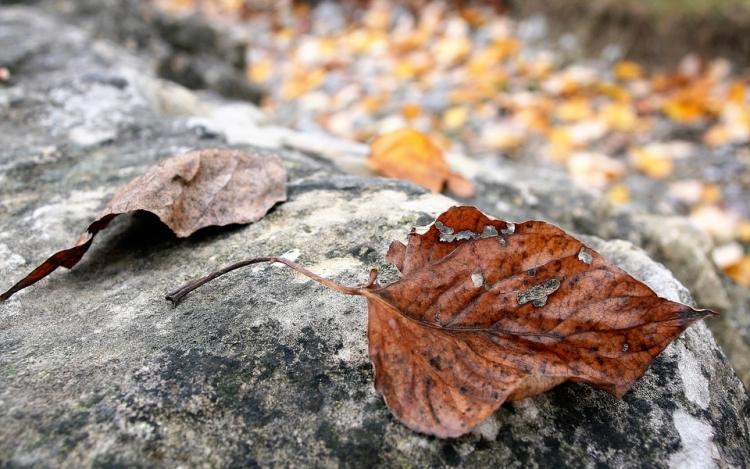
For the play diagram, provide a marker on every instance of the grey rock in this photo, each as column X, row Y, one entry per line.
column 184, row 49
column 265, row 367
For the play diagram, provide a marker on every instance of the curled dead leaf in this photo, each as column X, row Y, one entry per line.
column 488, row 311
column 187, row 192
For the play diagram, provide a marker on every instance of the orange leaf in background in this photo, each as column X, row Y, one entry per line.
column 662, row 82
column 690, row 103
column 627, row 70
column 683, row 109
column 740, row 272
column 488, row 311
column 737, row 92
column 574, row 110
column 411, row 110
column 411, row 155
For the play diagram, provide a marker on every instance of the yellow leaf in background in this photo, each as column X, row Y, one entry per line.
column 736, row 118
column 743, row 231
column 371, row 104
column 327, row 49
column 260, row 71
column 574, row 110
column 711, row 193
column 614, row 91
column 618, row 194
column 627, row 70
column 411, row 155
column 303, row 81
column 651, row 162
column 404, row 70
column 559, row 144
column 360, row 40
column 619, row 116
column 534, row 119
column 455, row 117
column 482, row 61
column 537, row 69
column 452, row 50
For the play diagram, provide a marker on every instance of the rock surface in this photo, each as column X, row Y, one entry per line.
column 264, row 367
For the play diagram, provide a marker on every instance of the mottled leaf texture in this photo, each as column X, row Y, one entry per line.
column 488, row 311
column 187, row 192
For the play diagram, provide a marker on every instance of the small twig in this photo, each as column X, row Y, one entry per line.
column 177, row 296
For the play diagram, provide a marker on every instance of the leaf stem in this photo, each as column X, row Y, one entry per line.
column 177, row 296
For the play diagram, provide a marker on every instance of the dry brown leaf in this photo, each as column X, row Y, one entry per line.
column 187, row 192
column 411, row 155
column 488, row 311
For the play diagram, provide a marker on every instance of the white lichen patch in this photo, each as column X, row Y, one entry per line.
column 291, row 255
column 538, row 294
column 693, row 381
column 697, row 450
column 447, row 233
column 331, row 268
column 47, row 221
column 9, row 260
column 585, row 257
column 477, row 279
column 528, row 408
column 509, row 229
column 488, row 428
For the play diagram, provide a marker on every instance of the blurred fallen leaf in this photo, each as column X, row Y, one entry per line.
column 740, row 272
column 411, row 155
column 627, row 70
column 652, row 161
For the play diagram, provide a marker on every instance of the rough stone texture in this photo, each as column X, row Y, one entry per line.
column 265, row 367
column 184, row 49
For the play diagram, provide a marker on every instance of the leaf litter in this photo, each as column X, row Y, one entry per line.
column 190, row 191
column 503, row 312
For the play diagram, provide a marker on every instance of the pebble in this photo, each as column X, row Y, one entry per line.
column 87, row 136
